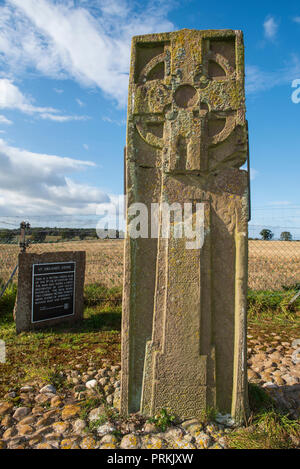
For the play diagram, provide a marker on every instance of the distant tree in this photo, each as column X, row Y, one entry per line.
column 6, row 235
column 286, row 236
column 67, row 234
column 38, row 236
column 82, row 235
column 266, row 234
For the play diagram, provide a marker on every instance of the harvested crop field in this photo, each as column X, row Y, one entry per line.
column 272, row 264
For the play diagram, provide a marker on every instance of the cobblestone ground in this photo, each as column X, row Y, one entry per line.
column 83, row 413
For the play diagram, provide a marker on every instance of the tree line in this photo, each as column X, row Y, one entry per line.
column 39, row 234
column 267, row 235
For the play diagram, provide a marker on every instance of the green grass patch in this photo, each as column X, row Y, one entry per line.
column 272, row 302
column 275, row 304
column 7, row 301
column 88, row 405
column 269, row 428
column 97, row 294
column 259, row 400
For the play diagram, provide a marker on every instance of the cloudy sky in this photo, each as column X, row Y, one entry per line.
column 63, row 92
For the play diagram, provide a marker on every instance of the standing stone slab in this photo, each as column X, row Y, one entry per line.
column 184, row 310
column 50, row 289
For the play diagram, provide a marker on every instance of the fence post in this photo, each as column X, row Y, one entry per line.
column 23, row 245
column 23, row 242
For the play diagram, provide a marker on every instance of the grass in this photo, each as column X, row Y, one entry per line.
column 98, row 294
column 88, row 405
column 269, row 428
column 269, row 315
column 275, row 304
column 272, row 431
column 259, row 400
column 42, row 356
column 7, row 301
column 269, row 301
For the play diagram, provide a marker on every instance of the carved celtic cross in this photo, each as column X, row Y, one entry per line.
column 184, row 325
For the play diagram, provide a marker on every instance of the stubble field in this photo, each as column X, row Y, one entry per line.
column 272, row 264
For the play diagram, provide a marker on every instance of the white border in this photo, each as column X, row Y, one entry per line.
column 57, row 273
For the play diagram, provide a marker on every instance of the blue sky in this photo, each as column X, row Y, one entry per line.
column 63, row 92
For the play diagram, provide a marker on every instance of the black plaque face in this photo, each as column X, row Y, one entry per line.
column 53, row 290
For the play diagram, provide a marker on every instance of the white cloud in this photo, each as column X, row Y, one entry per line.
column 260, row 80
column 114, row 121
column 39, row 183
column 297, row 19
column 4, row 120
column 280, row 202
column 89, row 43
column 113, row 8
column 12, row 98
column 253, row 172
column 59, row 118
column 58, row 90
column 79, row 102
column 270, row 28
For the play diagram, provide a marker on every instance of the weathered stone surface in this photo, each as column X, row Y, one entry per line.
column 105, row 429
column 91, row 384
column 95, row 414
column 26, row 389
column 130, row 441
column 25, row 430
column 48, row 389
column 69, row 443
column 153, row 442
column 7, row 421
column 60, row 427
column 70, row 411
column 109, row 439
column 78, row 426
column 56, row 401
column 44, row 446
column 88, row 443
column 24, row 299
column 184, row 315
column 2, row 444
column 9, row 433
column 44, row 398
column 6, row 408
column 21, row 413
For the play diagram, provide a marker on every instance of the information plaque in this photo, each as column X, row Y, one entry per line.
column 53, row 290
